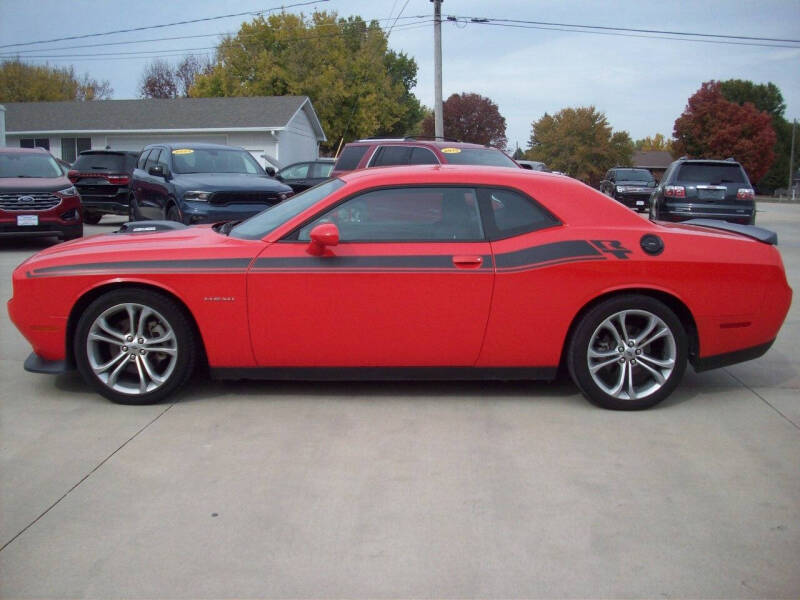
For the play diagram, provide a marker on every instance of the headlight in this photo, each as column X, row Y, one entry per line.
column 197, row 195
column 622, row 188
column 70, row 191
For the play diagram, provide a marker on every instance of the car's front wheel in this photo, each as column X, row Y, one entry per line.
column 92, row 218
column 628, row 353
column 135, row 346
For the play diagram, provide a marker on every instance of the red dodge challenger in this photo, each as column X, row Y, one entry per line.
column 427, row 272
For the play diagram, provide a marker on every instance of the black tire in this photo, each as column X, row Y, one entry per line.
column 129, row 369
column 132, row 213
column 73, row 234
column 645, row 365
column 173, row 214
column 92, row 218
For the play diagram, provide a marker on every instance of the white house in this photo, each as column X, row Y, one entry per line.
column 283, row 128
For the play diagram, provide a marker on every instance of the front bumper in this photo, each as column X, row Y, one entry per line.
column 634, row 200
column 36, row 364
column 203, row 212
column 41, row 230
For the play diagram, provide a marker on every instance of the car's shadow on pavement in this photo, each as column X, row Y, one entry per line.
column 31, row 245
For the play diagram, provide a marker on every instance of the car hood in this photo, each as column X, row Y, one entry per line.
column 229, row 182
column 142, row 252
column 33, row 184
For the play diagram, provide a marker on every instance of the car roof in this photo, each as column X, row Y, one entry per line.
column 193, row 146
column 417, row 142
column 709, row 161
column 469, row 174
column 117, row 152
column 10, row 150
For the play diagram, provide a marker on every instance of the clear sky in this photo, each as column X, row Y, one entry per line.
column 640, row 83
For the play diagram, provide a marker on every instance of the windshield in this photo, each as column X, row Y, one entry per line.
column 489, row 157
column 29, row 165
column 634, row 175
column 256, row 227
column 207, row 160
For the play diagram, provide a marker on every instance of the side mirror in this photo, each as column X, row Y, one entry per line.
column 524, row 166
column 322, row 236
column 271, row 171
column 157, row 171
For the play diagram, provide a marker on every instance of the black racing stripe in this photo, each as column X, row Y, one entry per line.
column 437, row 261
column 145, row 265
column 557, row 251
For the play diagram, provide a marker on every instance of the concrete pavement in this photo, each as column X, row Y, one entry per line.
column 244, row 489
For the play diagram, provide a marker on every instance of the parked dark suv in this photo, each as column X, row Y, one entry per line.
column 631, row 187
column 412, row 151
column 103, row 181
column 36, row 198
column 710, row 189
column 201, row 183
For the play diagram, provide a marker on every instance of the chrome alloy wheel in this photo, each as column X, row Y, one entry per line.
column 631, row 354
column 132, row 348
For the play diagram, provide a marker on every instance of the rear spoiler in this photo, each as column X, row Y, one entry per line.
column 757, row 233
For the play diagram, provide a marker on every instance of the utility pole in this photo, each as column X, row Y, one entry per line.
column 438, row 118
column 791, row 163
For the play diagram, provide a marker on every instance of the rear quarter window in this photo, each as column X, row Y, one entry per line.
column 103, row 162
column 350, row 158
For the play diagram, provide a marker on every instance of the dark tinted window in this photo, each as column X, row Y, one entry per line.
column 350, row 157
column 489, row 157
column 29, row 165
column 422, row 156
column 710, row 173
column 387, row 156
column 405, row 214
column 104, row 162
column 512, row 213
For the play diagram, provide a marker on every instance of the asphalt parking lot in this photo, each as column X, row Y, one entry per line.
column 243, row 489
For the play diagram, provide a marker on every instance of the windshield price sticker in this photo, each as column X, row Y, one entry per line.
column 451, row 150
column 183, row 151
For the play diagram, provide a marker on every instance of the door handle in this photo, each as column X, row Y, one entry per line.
column 468, row 262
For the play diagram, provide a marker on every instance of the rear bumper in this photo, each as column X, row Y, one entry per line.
column 731, row 358
column 108, row 205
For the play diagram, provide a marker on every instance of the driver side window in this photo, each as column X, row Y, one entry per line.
column 405, row 214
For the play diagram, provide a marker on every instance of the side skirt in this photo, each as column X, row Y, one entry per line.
column 386, row 373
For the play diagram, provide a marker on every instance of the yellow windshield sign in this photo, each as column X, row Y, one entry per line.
column 451, row 150
column 183, row 151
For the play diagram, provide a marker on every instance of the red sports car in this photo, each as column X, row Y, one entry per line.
column 428, row 272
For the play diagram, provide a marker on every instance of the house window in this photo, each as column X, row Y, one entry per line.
column 71, row 147
column 35, row 143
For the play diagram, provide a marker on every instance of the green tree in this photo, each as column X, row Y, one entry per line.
column 579, row 142
column 657, row 143
column 358, row 86
column 768, row 98
column 22, row 82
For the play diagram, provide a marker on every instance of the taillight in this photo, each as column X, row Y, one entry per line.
column 118, row 179
column 73, row 175
column 745, row 194
column 674, row 191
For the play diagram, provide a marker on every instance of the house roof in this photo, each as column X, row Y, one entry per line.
column 653, row 159
column 179, row 114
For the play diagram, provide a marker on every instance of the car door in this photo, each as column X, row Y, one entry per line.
column 149, row 188
column 408, row 285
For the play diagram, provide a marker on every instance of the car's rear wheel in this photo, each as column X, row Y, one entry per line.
column 92, row 218
column 135, row 346
column 628, row 353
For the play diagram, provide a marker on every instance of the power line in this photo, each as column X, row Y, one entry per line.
column 630, row 35
column 656, row 31
column 162, row 25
